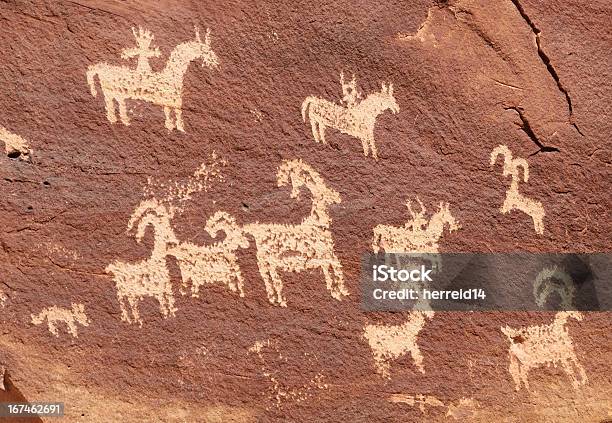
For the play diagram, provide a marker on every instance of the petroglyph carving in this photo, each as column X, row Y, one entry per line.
column 418, row 235
column 424, row 33
column 536, row 346
column 281, row 390
column 14, row 145
column 356, row 119
column 544, row 286
column 295, row 248
column 163, row 88
column 149, row 277
column 3, row 298
column 179, row 192
column 514, row 199
column 216, row 263
column 459, row 410
column 389, row 342
column 419, row 399
column 70, row 317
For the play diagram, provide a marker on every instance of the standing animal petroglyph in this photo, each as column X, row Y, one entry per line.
column 163, row 88
column 149, row 277
column 389, row 342
column 14, row 145
column 543, row 287
column 514, row 199
column 357, row 119
column 70, row 317
column 536, row 346
column 418, row 235
column 295, row 248
column 216, row 263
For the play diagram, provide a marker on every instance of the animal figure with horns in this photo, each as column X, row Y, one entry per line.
column 308, row 245
column 357, row 119
column 163, row 88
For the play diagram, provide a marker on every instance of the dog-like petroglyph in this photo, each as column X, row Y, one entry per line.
column 215, row 263
column 355, row 117
column 295, row 248
column 418, row 236
column 14, row 145
column 163, row 88
column 514, row 199
column 544, row 345
column 53, row 315
column 389, row 342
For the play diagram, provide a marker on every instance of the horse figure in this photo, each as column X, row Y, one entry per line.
column 308, row 245
column 356, row 120
column 163, row 88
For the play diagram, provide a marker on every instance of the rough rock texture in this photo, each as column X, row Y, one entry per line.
column 466, row 77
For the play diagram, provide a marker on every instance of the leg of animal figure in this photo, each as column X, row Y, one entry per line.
column 515, row 372
column 52, row 327
column 239, row 279
column 264, row 271
column 179, row 119
column 568, row 369
column 339, row 290
column 278, row 287
column 583, row 377
column 133, row 301
column 109, row 103
column 72, row 328
column 124, row 313
column 315, row 131
column 322, row 132
column 167, row 299
column 365, row 147
column 537, row 221
column 382, row 366
column 123, row 111
column 524, row 372
column 169, row 124
column 416, row 356
column 372, row 145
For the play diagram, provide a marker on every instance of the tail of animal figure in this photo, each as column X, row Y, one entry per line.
column 305, row 105
column 92, row 71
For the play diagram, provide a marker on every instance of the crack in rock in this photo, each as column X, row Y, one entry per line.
column 527, row 129
column 546, row 60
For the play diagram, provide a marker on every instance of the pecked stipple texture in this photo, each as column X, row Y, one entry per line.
column 188, row 188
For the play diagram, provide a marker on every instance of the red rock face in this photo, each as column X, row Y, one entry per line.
column 179, row 247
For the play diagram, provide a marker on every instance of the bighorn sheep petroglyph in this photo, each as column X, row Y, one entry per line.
column 216, row 263
column 295, row 248
column 164, row 88
column 149, row 277
column 543, row 287
column 514, row 199
column 55, row 314
column 357, row 119
column 389, row 342
column 536, row 346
